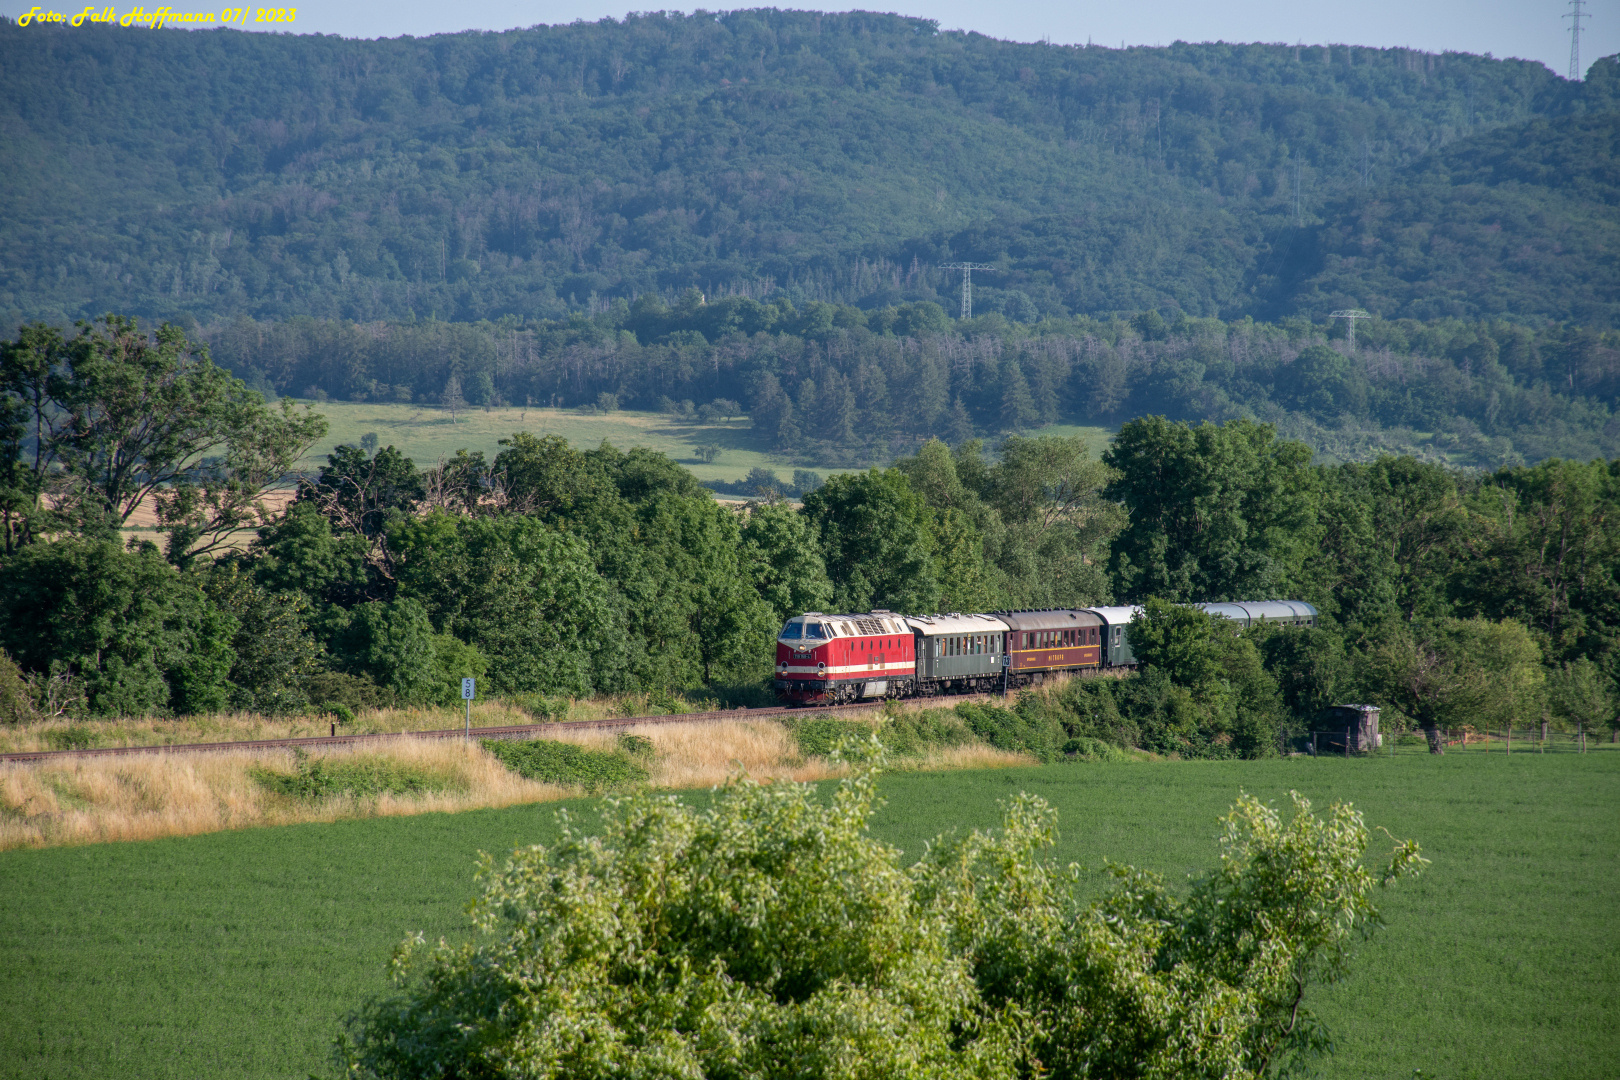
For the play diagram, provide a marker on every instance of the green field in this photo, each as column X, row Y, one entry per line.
column 426, row 433
column 235, row 954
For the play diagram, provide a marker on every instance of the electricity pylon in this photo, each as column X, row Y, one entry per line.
column 1575, row 16
column 1350, row 315
column 967, row 282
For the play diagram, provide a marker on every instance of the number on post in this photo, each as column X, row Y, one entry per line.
column 467, row 689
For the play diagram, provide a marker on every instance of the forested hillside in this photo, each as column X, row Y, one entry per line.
column 828, row 157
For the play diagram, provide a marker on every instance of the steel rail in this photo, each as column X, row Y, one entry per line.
column 514, row 731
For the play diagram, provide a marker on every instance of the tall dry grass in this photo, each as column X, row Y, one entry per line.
column 66, row 734
column 79, row 800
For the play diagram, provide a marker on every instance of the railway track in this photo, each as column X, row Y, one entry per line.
column 516, row 731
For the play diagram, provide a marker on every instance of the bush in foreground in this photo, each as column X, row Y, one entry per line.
column 771, row 936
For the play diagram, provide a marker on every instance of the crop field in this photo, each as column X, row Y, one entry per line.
column 235, row 954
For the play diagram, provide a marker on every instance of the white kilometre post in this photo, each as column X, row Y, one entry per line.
column 469, row 687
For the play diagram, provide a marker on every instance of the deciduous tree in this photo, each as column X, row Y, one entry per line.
column 769, row 935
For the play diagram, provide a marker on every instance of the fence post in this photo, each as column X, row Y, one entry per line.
column 1582, row 729
column 1510, row 739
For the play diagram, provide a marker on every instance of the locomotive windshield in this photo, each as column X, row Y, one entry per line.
column 813, row 630
column 793, row 629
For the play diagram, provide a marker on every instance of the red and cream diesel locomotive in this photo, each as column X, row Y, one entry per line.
column 830, row 659
column 824, row 659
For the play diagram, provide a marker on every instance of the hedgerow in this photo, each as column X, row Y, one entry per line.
column 565, row 763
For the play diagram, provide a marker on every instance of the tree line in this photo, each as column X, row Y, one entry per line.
column 554, row 570
column 829, row 384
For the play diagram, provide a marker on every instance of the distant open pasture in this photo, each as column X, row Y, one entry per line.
column 236, row 954
column 425, row 433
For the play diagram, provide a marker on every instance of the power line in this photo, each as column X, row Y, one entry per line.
column 1299, row 205
column 1575, row 16
column 1350, row 315
column 967, row 282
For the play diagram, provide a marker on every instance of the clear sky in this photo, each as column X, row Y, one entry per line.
column 1531, row 29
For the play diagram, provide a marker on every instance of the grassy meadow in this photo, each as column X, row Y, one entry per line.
column 426, row 433
column 235, row 954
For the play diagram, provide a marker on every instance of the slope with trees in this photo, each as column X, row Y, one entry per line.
column 840, row 157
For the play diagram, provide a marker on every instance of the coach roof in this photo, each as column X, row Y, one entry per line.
column 956, row 623
column 1246, row 612
column 1116, row 616
column 1052, row 619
